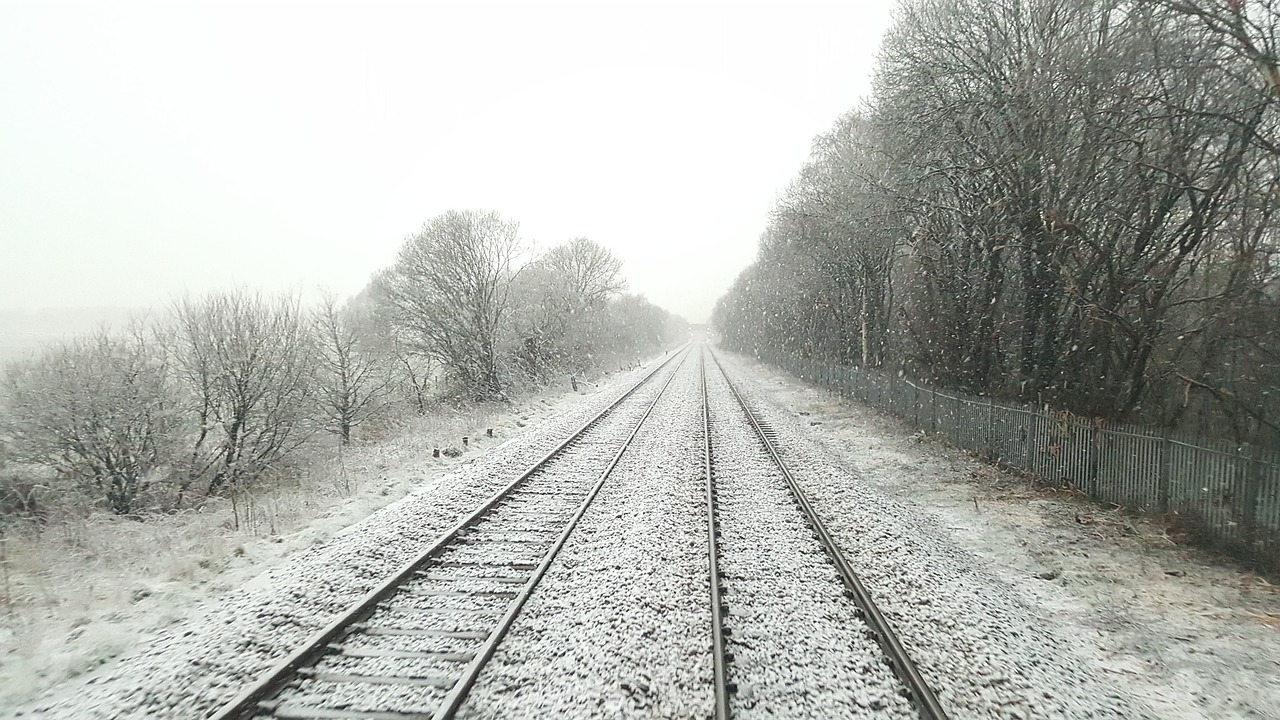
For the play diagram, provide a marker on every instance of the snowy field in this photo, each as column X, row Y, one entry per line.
column 1050, row 607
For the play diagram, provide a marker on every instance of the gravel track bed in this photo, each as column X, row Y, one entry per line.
column 410, row 643
column 799, row 648
column 227, row 642
column 978, row 643
column 398, row 666
column 620, row 625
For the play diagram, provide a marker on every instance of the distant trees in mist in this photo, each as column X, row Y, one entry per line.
column 217, row 397
column 1070, row 202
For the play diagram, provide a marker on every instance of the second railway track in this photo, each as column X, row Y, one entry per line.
column 784, row 622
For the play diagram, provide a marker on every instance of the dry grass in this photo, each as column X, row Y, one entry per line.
column 77, row 589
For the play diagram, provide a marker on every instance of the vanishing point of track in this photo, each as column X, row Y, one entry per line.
column 427, row 631
column 914, row 685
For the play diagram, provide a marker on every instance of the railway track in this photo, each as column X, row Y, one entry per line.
column 412, row 647
column 913, row 685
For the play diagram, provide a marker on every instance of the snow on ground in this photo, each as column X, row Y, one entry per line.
column 186, row 648
column 1186, row 633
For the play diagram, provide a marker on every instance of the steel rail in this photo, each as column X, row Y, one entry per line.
column 459, row 692
column 899, row 661
column 719, row 653
column 246, row 704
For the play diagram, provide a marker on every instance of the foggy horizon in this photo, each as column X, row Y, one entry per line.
column 157, row 151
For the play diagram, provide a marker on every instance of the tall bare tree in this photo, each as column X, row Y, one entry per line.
column 543, row 311
column 560, row 299
column 448, row 292
column 247, row 363
column 1086, row 193
column 1249, row 29
column 838, row 213
column 353, row 380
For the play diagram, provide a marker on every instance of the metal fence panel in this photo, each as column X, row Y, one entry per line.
column 1227, row 496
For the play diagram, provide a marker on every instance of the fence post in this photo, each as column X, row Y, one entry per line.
column 991, row 428
column 1095, row 449
column 933, row 409
column 1163, row 479
column 1249, row 477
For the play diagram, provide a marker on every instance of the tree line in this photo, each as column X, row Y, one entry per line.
column 216, row 396
column 1068, row 202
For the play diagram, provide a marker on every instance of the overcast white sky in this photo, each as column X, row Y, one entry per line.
column 148, row 150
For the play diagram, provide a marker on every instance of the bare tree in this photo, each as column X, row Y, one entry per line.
column 448, row 293
column 416, row 374
column 100, row 411
column 247, row 364
column 543, row 309
column 353, row 381
column 1068, row 174
column 558, row 315
column 413, row 373
column 637, row 326
column 1085, row 192
column 780, row 302
column 590, row 272
column 1246, row 28
column 838, row 212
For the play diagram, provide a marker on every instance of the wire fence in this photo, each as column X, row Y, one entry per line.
column 1224, row 495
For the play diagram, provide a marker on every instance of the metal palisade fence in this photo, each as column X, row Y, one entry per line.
column 1227, row 496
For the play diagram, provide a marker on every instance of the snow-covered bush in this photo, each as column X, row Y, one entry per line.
column 100, row 412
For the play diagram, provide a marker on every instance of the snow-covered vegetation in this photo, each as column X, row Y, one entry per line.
column 136, row 457
column 215, row 399
column 1068, row 203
